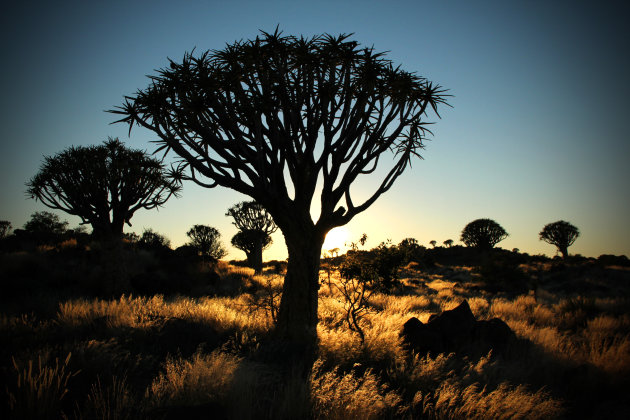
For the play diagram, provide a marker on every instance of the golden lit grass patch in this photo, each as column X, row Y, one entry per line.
column 452, row 400
column 479, row 306
column 345, row 396
column 222, row 314
column 519, row 308
column 403, row 304
column 198, row 380
column 438, row 284
column 338, row 345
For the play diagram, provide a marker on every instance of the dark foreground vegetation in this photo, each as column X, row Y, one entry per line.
column 182, row 337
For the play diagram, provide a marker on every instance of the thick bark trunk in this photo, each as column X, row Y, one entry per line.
column 113, row 259
column 250, row 259
column 297, row 316
column 564, row 251
column 257, row 263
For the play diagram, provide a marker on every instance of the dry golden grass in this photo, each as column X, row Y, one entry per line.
column 374, row 379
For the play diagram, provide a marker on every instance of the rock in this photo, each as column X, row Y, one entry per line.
column 457, row 331
column 493, row 335
column 455, row 326
column 421, row 338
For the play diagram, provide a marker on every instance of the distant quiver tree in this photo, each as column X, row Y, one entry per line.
column 561, row 234
column 103, row 185
column 255, row 226
column 206, row 240
column 279, row 118
column 448, row 243
column 483, row 234
column 252, row 243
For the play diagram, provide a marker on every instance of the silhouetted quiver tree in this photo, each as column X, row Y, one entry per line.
column 272, row 116
column 206, row 240
column 103, row 185
column 561, row 234
column 483, row 234
column 253, row 243
column 255, row 225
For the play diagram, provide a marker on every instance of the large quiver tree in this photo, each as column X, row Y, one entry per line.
column 561, row 234
column 274, row 118
column 103, row 185
column 255, row 226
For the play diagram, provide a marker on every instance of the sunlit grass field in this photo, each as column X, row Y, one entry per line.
column 210, row 356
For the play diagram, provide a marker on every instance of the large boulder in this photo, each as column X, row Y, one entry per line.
column 457, row 331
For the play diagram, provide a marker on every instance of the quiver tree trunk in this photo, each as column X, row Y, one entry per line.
column 256, row 261
column 564, row 250
column 297, row 316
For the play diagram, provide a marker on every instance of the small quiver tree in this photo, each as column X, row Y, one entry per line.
column 255, row 226
column 206, row 240
column 561, row 234
column 281, row 118
column 483, row 234
column 103, row 185
column 253, row 243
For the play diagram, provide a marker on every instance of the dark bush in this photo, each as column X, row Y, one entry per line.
column 620, row 260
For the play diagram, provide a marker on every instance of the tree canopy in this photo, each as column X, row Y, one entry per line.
column 249, row 215
column 246, row 116
column 561, row 234
column 250, row 241
column 483, row 234
column 103, row 185
column 206, row 240
column 45, row 222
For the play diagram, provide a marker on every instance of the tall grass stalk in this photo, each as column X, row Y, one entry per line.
column 39, row 389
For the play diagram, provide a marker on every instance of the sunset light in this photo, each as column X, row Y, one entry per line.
column 337, row 239
column 172, row 171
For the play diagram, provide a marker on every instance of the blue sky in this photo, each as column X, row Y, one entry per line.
column 536, row 134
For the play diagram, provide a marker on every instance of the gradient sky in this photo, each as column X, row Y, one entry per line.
column 537, row 132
